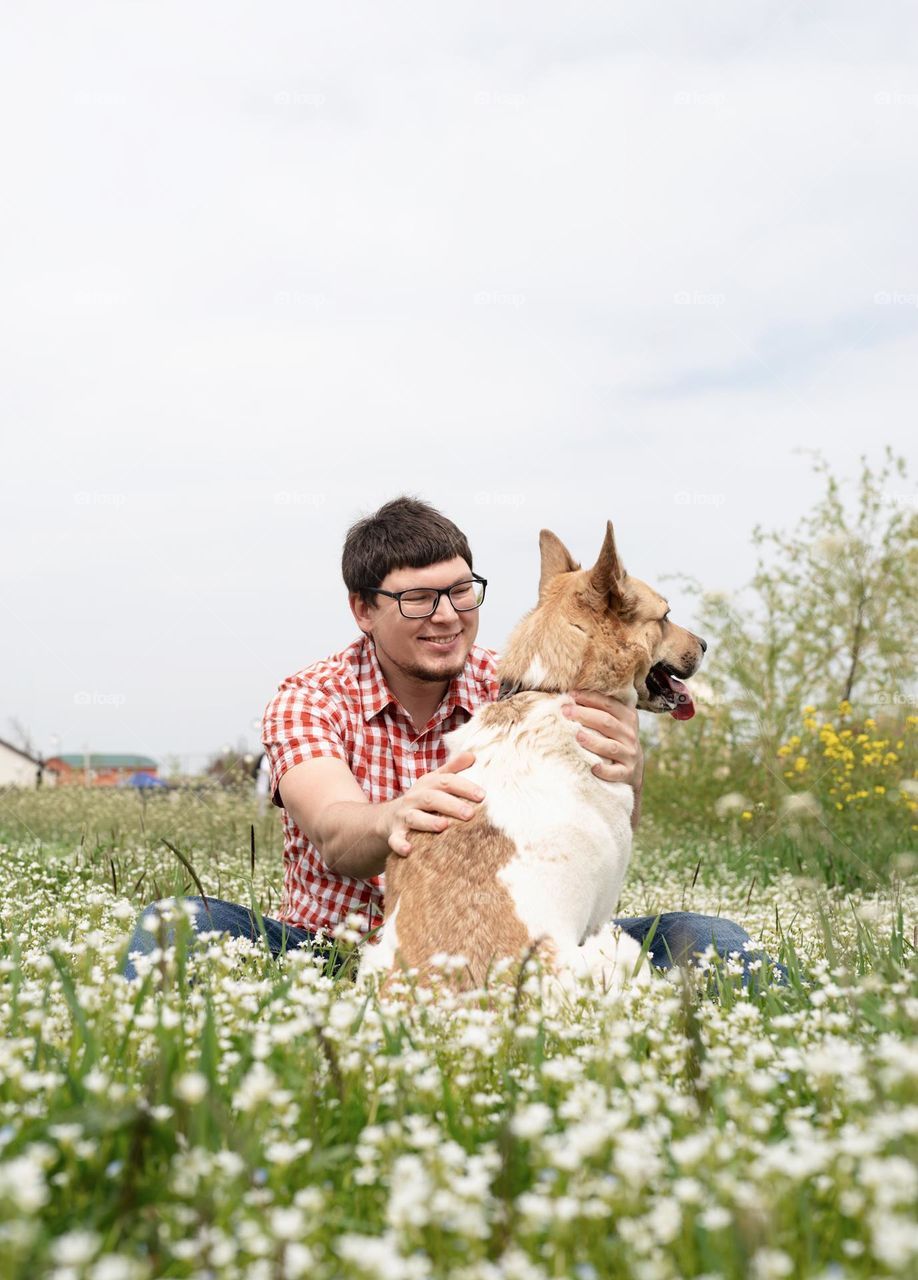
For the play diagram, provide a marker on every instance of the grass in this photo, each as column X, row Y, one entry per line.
column 233, row 1116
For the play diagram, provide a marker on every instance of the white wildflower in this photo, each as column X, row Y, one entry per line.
column 75, row 1248
column 299, row 1260
column 771, row 1264
column 191, row 1087
column 532, row 1121
column 259, row 1085
column 729, row 804
column 287, row 1224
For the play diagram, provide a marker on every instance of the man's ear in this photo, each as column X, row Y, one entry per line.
column 363, row 612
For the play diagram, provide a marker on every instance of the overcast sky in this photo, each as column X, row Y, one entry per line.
column 268, row 265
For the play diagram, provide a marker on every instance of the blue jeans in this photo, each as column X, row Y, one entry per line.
column 678, row 936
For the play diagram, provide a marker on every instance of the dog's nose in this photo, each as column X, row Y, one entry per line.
column 703, row 643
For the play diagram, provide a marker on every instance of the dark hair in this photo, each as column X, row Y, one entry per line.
column 403, row 534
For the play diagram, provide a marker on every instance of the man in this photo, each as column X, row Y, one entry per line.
column 356, row 743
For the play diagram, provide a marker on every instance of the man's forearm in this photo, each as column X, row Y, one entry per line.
column 352, row 839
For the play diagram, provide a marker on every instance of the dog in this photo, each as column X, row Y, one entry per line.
column 540, row 865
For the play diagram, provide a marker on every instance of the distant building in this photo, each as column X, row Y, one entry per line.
column 104, row 770
column 17, row 767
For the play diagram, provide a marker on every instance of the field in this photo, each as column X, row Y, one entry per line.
column 229, row 1116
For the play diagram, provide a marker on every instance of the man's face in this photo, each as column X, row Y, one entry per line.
column 433, row 648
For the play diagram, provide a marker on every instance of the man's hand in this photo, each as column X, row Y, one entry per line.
column 432, row 802
column 610, row 730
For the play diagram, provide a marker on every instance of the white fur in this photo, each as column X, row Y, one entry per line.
column 380, row 958
column 535, row 675
column 571, row 831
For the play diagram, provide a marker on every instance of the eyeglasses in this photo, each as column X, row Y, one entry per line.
column 421, row 602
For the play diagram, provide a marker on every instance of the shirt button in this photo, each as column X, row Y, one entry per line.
column 412, row 747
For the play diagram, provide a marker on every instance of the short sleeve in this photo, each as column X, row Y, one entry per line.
column 300, row 724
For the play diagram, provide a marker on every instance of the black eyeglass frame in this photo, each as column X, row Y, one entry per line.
column 440, row 591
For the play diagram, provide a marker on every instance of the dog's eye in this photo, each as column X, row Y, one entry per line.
column 665, row 617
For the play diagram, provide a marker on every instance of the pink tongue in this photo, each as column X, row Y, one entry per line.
column 685, row 707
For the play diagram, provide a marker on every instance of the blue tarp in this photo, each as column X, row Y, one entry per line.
column 145, row 780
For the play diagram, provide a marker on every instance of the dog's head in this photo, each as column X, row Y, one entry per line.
column 603, row 630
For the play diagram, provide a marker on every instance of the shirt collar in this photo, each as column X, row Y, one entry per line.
column 375, row 694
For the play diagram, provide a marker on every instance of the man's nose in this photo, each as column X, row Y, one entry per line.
column 450, row 607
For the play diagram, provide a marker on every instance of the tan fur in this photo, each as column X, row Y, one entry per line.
column 595, row 628
column 452, row 903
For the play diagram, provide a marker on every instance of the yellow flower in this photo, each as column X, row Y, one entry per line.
column 746, row 815
column 870, row 723
column 808, row 711
column 844, row 707
column 881, row 791
column 810, row 724
column 800, row 764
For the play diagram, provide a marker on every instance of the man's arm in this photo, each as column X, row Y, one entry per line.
column 325, row 801
column 355, row 837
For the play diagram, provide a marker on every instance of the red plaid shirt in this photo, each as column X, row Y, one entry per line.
column 343, row 708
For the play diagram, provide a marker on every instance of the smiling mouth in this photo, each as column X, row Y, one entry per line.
column 443, row 641
column 676, row 698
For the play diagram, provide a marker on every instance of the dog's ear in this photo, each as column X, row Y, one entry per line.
column 555, row 559
column 607, row 577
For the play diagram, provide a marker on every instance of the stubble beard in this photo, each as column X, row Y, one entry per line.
column 432, row 677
